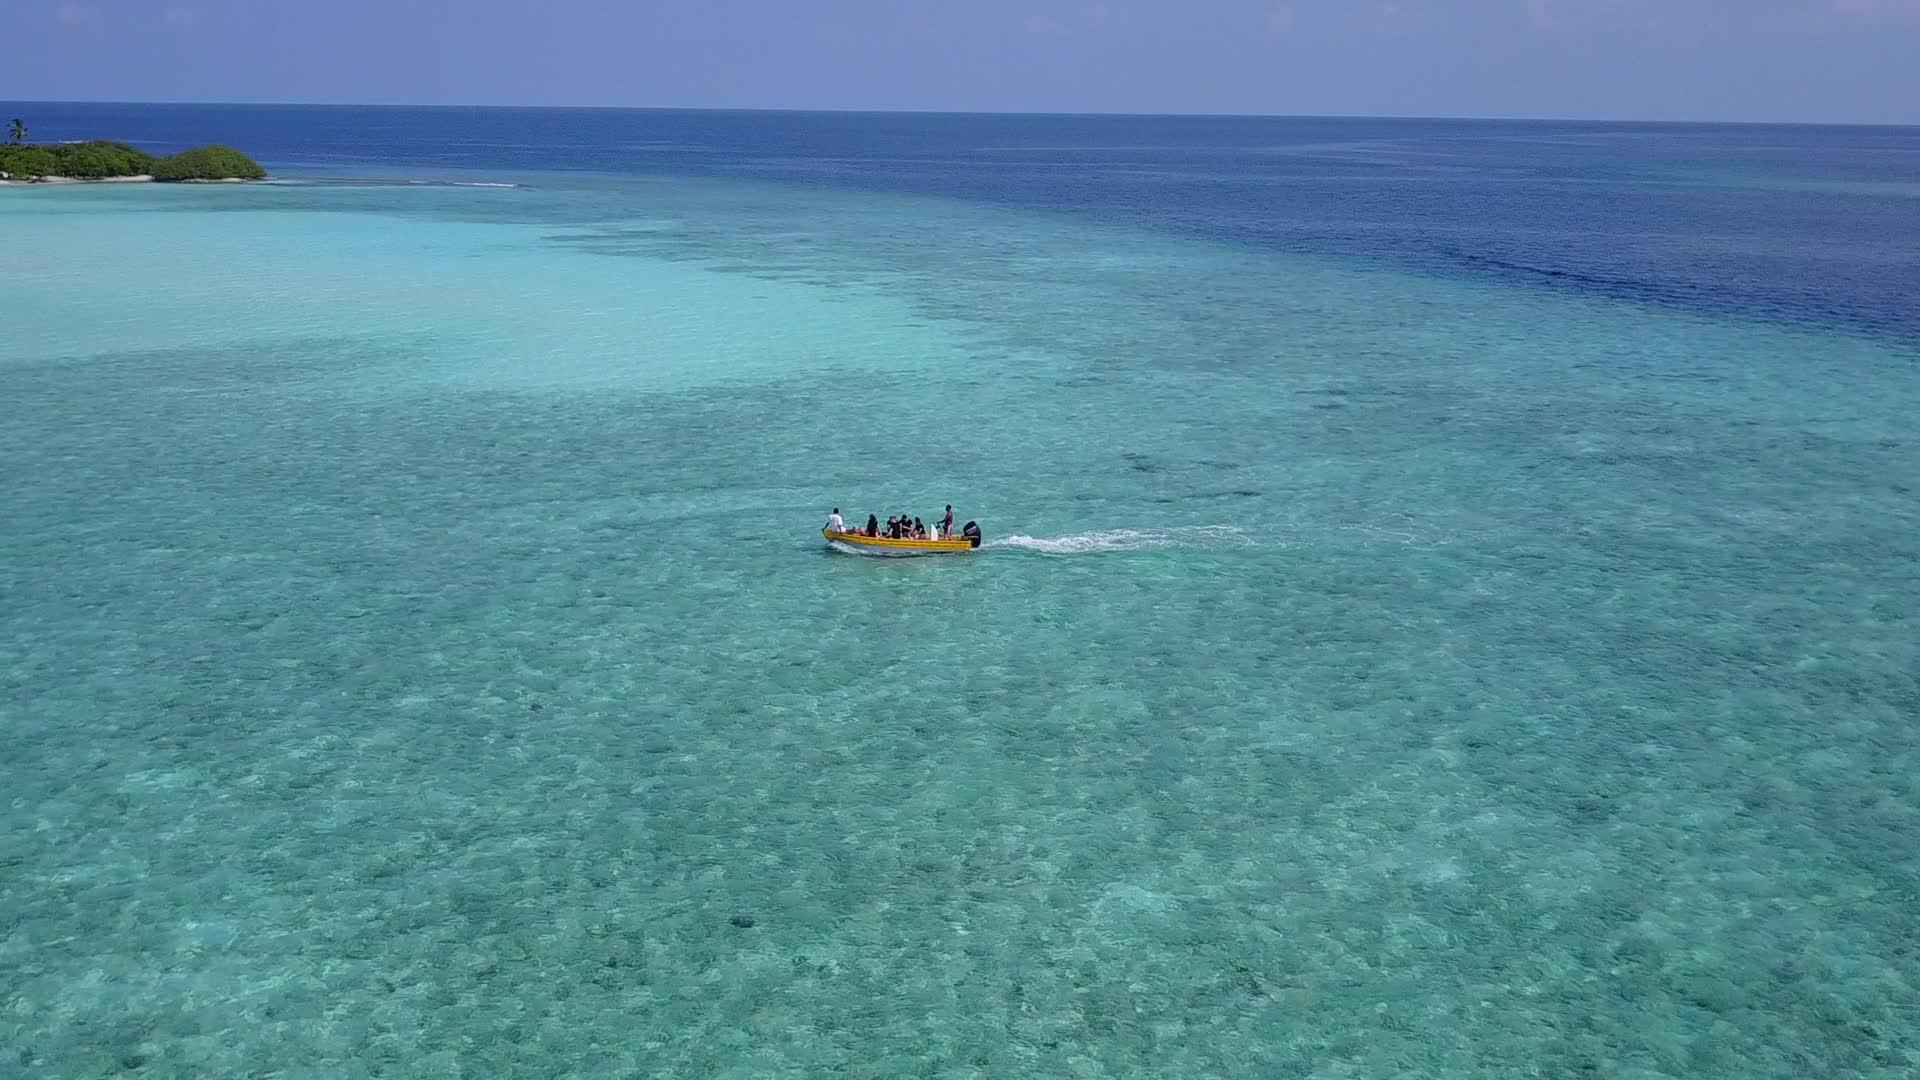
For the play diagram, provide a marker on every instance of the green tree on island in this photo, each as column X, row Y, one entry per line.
column 208, row 163
column 104, row 159
column 17, row 131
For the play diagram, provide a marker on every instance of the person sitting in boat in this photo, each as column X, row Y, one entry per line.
column 873, row 526
column 834, row 523
column 893, row 528
column 919, row 529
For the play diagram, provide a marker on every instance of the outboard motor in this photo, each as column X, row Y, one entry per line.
column 972, row 533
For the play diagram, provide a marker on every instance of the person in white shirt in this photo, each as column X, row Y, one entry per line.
column 834, row 523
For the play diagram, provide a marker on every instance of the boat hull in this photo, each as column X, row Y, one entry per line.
column 882, row 548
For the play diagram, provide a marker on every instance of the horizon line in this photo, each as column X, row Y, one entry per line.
column 1480, row 118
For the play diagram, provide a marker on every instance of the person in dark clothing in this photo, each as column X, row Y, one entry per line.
column 873, row 526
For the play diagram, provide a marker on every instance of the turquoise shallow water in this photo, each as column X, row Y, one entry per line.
column 417, row 659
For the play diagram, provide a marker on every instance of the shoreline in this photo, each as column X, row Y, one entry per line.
column 58, row 180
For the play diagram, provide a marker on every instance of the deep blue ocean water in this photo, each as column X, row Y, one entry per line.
column 1451, row 604
column 1799, row 222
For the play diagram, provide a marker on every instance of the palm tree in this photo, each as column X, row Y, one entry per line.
column 17, row 131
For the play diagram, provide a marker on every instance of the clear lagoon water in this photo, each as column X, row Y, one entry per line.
column 1451, row 605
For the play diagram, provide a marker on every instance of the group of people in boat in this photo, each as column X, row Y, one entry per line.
column 898, row 527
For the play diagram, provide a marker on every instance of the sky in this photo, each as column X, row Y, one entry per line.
column 1752, row 60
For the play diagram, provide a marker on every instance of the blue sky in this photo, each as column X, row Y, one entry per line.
column 1814, row 60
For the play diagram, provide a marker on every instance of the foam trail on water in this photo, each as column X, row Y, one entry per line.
column 1089, row 543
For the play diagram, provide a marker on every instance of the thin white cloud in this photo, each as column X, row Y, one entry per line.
column 1043, row 26
column 1878, row 10
column 1567, row 14
column 1390, row 18
column 70, row 14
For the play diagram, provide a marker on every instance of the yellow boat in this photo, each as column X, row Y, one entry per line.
column 861, row 544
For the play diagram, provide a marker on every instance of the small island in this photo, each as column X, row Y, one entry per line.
column 106, row 160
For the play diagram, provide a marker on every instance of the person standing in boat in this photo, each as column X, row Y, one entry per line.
column 834, row 523
column 946, row 524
